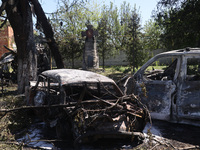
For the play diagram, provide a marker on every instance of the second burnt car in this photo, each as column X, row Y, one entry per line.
column 172, row 91
column 86, row 106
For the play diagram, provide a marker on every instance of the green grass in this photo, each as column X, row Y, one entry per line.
column 108, row 71
column 115, row 72
column 116, row 69
column 12, row 122
column 156, row 67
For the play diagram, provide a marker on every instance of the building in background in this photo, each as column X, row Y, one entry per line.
column 6, row 38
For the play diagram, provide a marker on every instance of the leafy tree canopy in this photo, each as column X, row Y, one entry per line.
column 119, row 29
column 180, row 21
column 151, row 36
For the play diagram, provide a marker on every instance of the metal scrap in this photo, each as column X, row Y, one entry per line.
column 90, row 106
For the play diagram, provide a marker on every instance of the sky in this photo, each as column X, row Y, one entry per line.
column 144, row 7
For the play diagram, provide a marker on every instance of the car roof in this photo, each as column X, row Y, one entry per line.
column 173, row 53
column 186, row 51
column 72, row 76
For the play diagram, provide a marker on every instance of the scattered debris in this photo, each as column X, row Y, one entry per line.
column 90, row 106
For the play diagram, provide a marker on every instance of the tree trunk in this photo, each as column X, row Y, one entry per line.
column 20, row 18
column 103, row 57
column 47, row 29
column 72, row 59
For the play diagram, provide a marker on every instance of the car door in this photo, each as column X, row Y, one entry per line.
column 157, row 87
column 188, row 101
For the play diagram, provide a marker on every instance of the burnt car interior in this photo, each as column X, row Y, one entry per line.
column 88, row 91
column 193, row 69
column 77, row 91
column 166, row 69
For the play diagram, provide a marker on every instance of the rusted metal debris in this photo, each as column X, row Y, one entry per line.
column 90, row 106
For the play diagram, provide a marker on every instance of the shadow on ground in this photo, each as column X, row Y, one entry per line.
column 179, row 132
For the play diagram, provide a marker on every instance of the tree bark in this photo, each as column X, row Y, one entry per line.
column 47, row 29
column 20, row 18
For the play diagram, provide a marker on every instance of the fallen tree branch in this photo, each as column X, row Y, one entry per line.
column 3, row 115
column 160, row 142
column 25, row 144
column 109, row 91
column 171, row 145
column 70, row 105
column 32, row 107
column 155, row 146
column 12, row 51
column 10, row 142
column 189, row 147
column 107, row 102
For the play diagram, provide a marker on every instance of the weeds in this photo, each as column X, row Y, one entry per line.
column 13, row 122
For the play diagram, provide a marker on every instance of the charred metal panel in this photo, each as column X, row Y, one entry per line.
column 157, row 96
column 176, row 98
column 189, row 101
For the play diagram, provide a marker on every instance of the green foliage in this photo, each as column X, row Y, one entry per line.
column 180, row 21
column 122, row 69
column 118, row 30
column 108, row 27
column 131, row 36
column 119, row 68
column 151, row 37
column 69, row 22
column 12, row 124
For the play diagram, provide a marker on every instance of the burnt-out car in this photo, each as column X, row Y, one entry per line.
column 86, row 106
column 172, row 91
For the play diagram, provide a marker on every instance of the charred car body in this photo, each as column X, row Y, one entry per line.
column 86, row 106
column 171, row 92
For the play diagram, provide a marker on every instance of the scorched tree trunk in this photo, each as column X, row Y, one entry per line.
column 20, row 18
